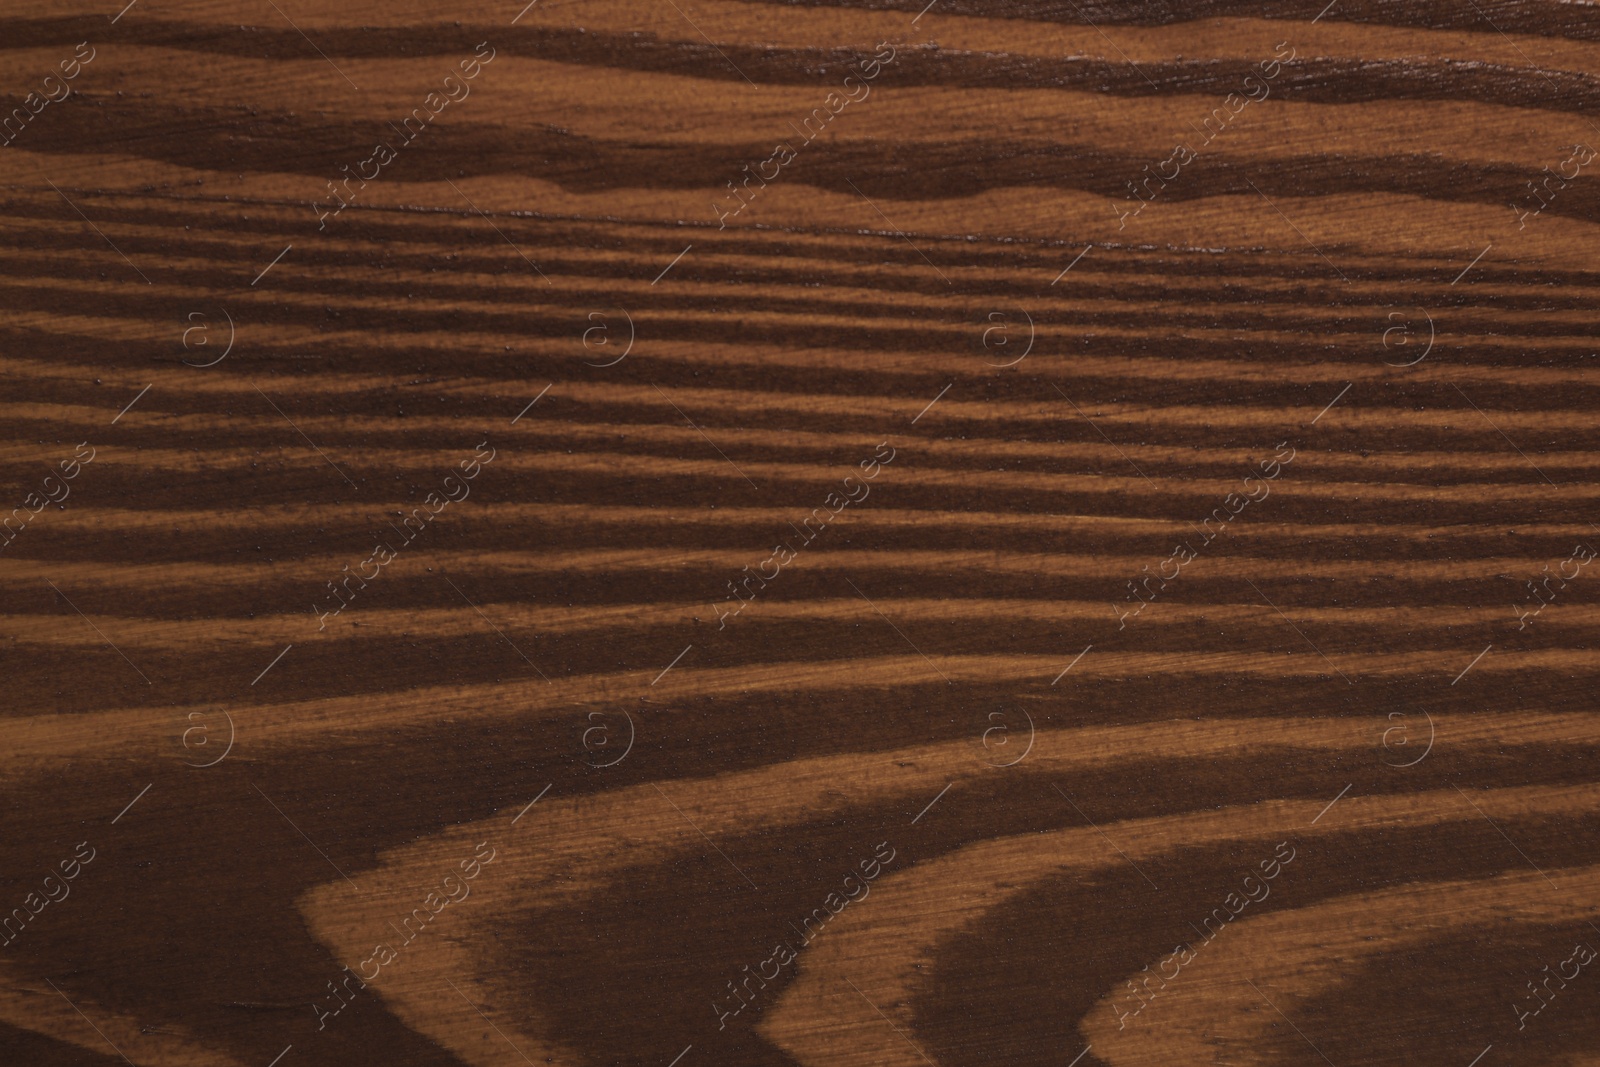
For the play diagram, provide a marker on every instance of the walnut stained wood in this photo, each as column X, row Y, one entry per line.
column 799, row 533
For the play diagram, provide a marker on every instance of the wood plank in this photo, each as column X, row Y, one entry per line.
column 798, row 533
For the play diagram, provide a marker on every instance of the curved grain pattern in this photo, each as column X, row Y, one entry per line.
column 798, row 533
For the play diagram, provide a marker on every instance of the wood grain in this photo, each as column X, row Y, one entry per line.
column 804, row 533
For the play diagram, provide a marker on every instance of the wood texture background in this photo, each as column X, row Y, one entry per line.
column 1375, row 280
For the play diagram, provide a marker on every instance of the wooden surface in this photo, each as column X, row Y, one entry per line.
column 1286, row 316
